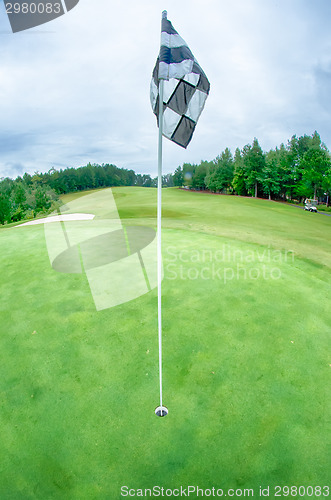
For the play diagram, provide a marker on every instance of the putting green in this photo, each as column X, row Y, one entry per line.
column 246, row 368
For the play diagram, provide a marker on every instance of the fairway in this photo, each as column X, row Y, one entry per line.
column 246, row 365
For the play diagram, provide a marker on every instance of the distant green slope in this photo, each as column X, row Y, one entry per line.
column 264, row 222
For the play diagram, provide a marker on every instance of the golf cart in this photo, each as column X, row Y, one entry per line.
column 311, row 205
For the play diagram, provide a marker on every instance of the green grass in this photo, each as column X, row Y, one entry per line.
column 246, row 219
column 246, row 326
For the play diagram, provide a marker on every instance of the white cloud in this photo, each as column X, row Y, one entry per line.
column 77, row 89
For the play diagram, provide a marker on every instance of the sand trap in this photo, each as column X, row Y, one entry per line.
column 59, row 218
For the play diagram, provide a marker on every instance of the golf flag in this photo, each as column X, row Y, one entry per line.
column 186, row 86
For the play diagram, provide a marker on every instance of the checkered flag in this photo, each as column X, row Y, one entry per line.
column 185, row 90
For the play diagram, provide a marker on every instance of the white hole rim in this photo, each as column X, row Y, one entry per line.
column 164, row 410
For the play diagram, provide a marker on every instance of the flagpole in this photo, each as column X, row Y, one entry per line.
column 162, row 410
column 159, row 238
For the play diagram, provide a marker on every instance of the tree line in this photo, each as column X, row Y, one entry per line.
column 297, row 170
column 30, row 195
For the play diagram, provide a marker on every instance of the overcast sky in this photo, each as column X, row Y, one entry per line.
column 76, row 90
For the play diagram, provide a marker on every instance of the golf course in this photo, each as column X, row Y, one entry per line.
column 246, row 361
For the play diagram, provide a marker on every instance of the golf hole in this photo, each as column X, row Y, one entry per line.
column 161, row 411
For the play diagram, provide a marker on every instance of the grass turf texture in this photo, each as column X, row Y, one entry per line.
column 246, row 368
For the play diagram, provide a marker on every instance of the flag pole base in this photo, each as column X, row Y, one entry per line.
column 161, row 411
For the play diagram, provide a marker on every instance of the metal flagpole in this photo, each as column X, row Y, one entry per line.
column 162, row 410
column 159, row 240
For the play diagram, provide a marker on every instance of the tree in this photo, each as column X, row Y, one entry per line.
column 298, row 182
column 167, row 180
column 20, row 195
column 6, row 203
column 211, row 177
column 284, row 170
column 315, row 165
column 199, row 176
column 188, row 173
column 294, row 174
column 178, row 177
column 254, row 162
column 27, row 179
column 5, row 208
column 239, row 178
column 19, row 201
column 269, row 177
column 220, row 175
column 144, row 180
column 327, row 185
column 42, row 199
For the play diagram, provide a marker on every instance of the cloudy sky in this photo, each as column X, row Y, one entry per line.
column 76, row 90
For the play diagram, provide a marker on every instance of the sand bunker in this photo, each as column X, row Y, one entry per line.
column 59, row 218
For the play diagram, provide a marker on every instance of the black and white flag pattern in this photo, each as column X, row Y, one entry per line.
column 186, row 86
